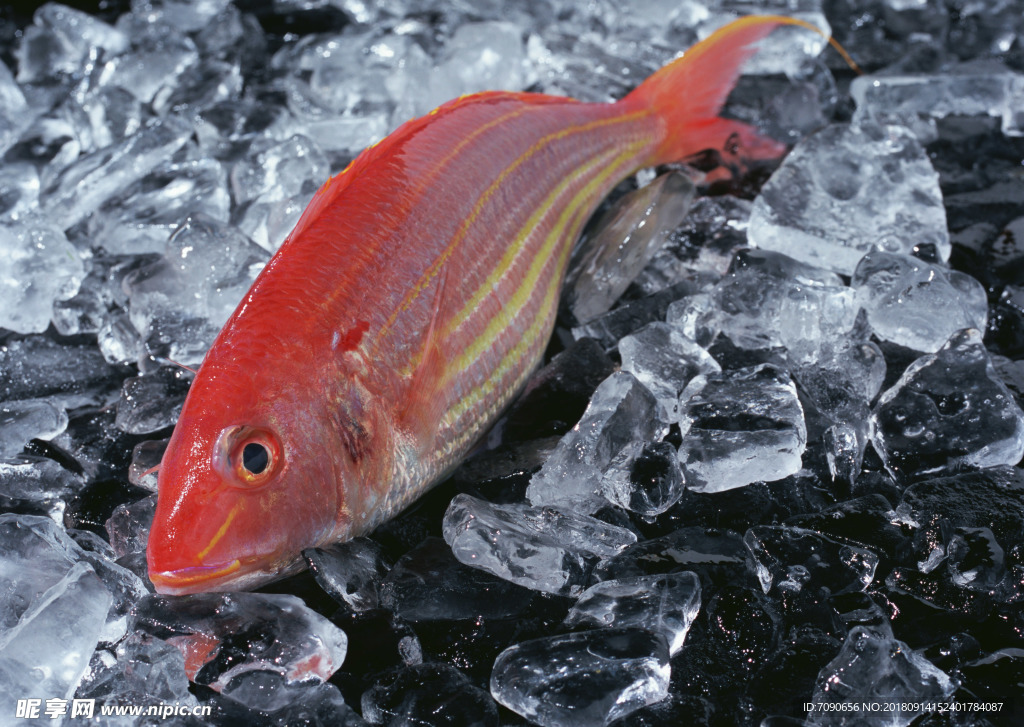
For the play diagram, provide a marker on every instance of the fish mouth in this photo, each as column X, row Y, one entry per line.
column 237, row 575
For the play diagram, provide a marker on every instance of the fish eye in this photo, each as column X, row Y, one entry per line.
column 255, row 458
column 248, row 456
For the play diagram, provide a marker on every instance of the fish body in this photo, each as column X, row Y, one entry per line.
column 404, row 312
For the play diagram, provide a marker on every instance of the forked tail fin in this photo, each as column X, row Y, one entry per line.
column 690, row 91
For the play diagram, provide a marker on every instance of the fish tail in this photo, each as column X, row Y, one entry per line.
column 688, row 93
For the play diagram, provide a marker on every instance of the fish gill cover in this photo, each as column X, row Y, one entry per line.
column 775, row 481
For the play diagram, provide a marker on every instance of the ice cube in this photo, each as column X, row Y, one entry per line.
column 539, row 548
column 207, row 267
column 160, row 54
column 703, row 244
column 147, row 671
column 796, row 559
column 629, row 235
column 428, row 694
column 19, row 189
column 34, row 481
column 718, row 556
column 874, row 668
column 47, row 651
column 225, row 635
column 28, row 419
column 477, row 57
column 586, row 679
column 128, row 526
column 961, row 89
column 739, row 427
column 151, row 402
column 146, row 457
column 621, row 411
column 847, row 190
column 917, row 304
column 37, row 267
column 768, row 299
column 96, row 177
column 277, row 180
column 13, row 109
column 429, row 584
column 664, row 360
column 351, row 571
column 59, row 41
column 182, row 14
column 140, row 218
column 948, row 409
column 661, row 604
column 644, row 478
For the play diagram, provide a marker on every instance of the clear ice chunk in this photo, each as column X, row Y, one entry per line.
column 37, row 267
column 226, row 635
column 621, row 411
column 93, row 179
column 151, row 402
column 874, row 668
column 795, row 559
column 141, row 218
column 767, row 299
column 129, row 524
column 13, row 112
column 702, row 245
column 847, row 190
column 917, row 304
column 350, row 572
column 948, row 409
column 161, row 53
column 35, row 553
column 661, row 604
column 47, row 650
column 630, row 233
column 19, row 188
column 28, row 419
column 586, row 679
column 146, row 457
column 275, row 182
column 424, row 694
column 644, row 478
column 916, row 100
column 146, row 671
column 664, row 360
column 841, row 385
column 59, row 42
column 741, row 426
column 429, row 584
column 539, row 548
column 39, row 481
column 477, row 57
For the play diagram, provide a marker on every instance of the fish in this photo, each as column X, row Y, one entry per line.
column 404, row 312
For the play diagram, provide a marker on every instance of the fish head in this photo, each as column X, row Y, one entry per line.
column 246, row 483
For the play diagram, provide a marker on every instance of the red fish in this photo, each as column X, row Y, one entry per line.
column 404, row 312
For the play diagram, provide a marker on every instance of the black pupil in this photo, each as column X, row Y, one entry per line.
column 255, row 458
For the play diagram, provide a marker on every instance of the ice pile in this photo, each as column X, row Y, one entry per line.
column 769, row 468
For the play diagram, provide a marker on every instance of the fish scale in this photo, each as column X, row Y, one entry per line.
column 405, row 311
